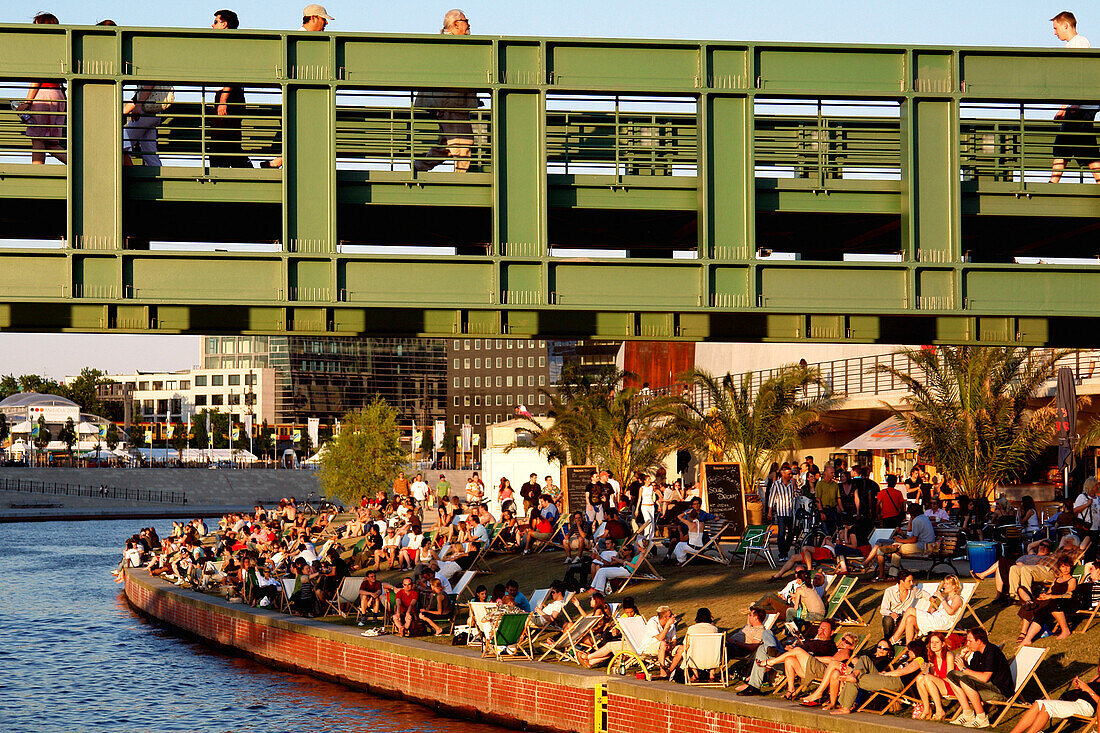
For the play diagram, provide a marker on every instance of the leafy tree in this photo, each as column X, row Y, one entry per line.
column 967, row 408
column 82, row 390
column 426, row 442
column 112, row 436
column 9, row 385
column 67, row 435
column 41, row 385
column 307, row 444
column 43, row 439
column 199, row 436
column 722, row 420
column 137, row 436
column 367, row 453
column 4, row 432
column 450, row 444
column 265, row 440
column 179, row 439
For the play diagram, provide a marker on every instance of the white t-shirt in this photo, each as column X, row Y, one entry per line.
column 449, row 569
column 419, row 490
column 1078, row 41
column 444, row 580
column 1094, row 509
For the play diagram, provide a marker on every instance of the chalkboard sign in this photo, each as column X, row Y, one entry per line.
column 723, row 495
column 574, row 481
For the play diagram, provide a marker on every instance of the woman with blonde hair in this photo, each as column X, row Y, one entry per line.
column 932, row 681
column 941, row 608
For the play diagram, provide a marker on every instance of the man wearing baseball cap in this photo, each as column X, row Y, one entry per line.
column 315, row 18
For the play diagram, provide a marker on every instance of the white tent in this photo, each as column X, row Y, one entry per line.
column 316, row 458
column 887, row 435
column 21, row 427
column 87, row 428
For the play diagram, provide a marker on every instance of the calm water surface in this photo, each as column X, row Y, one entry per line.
column 75, row 657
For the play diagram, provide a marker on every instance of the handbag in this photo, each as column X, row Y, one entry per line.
column 159, row 99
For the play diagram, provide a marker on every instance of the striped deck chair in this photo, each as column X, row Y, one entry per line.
column 838, row 602
column 497, row 543
column 508, row 637
column 346, row 595
column 633, row 653
column 1023, row 667
column 967, row 593
column 640, row 569
column 706, row 652
column 564, row 647
column 479, row 610
column 712, row 550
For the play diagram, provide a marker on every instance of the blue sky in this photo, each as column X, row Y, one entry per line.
column 934, row 22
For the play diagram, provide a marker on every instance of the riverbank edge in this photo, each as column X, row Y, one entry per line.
column 457, row 682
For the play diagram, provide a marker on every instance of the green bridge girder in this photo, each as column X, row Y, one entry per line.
column 941, row 183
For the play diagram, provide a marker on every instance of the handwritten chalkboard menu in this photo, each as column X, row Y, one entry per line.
column 574, row 482
column 723, row 494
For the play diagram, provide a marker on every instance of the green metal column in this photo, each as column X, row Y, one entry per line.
column 931, row 218
column 95, row 165
column 727, row 185
column 309, row 169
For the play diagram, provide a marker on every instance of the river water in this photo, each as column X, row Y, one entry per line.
column 75, row 657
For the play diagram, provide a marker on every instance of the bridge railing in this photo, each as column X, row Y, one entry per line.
column 54, row 488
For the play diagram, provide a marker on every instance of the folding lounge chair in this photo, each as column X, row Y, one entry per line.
column 479, row 610
column 346, row 595
column 632, row 654
column 462, row 585
column 554, row 540
column 706, row 652
column 891, row 696
column 752, row 533
column 289, row 586
column 1090, row 612
column 967, row 593
column 712, row 550
column 839, row 600
column 640, row 569
column 508, row 633
column 564, row 647
column 1023, row 667
column 480, row 565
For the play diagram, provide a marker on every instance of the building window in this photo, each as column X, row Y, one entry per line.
column 477, row 381
column 456, row 382
column 466, row 400
column 509, row 400
column 171, row 385
column 500, row 343
column 508, row 362
column 466, row 344
column 530, row 399
column 530, row 343
column 465, row 381
column 458, row 364
column 477, row 344
column 200, row 400
column 465, row 363
column 250, row 379
column 542, row 344
column 216, row 380
column 215, row 399
column 519, row 344
column 185, row 384
column 477, row 400
column 542, row 361
column 530, row 362
column 477, row 419
column 477, row 363
column 500, row 381
column 234, row 399
column 465, row 419
column 498, row 400
column 212, row 346
column 455, row 421
column 508, row 381
column 245, row 346
column 500, row 362
column 457, row 347
column 509, row 342
column 143, row 386
column 176, row 406
column 498, row 417
column 542, row 399
column 456, row 400
column 234, row 380
column 157, row 386
column 542, row 380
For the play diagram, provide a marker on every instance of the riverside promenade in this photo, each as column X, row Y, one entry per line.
column 456, row 681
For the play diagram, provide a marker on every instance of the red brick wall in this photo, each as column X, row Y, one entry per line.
column 461, row 689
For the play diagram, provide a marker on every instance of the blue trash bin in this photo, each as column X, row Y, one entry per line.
column 982, row 555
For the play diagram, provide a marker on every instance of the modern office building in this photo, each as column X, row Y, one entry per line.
column 325, row 377
column 587, row 357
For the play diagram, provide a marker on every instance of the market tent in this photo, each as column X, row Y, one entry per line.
column 87, row 428
column 316, row 458
column 21, row 427
column 887, row 435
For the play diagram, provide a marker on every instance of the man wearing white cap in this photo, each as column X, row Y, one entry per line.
column 315, row 18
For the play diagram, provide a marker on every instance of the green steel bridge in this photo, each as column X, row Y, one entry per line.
column 617, row 189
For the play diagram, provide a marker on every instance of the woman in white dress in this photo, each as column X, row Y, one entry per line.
column 694, row 542
column 941, row 609
column 647, row 505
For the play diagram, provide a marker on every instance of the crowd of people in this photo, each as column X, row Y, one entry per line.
column 429, row 535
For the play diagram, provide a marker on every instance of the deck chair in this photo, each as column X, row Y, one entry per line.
column 508, row 633
column 967, row 593
column 462, row 585
column 1090, row 612
column 712, row 550
column 752, row 533
column 479, row 610
column 346, row 595
column 641, row 570
column 496, row 542
column 1024, row 666
column 564, row 647
column 706, row 652
column 633, row 652
column 480, row 565
column 288, row 587
column 839, row 602
column 556, row 537
column 892, row 697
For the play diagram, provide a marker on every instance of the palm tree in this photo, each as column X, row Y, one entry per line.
column 723, row 420
column 595, row 423
column 967, row 409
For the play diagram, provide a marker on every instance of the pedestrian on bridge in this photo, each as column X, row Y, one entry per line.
column 1076, row 137
column 452, row 108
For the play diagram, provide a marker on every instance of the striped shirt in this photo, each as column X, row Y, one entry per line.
column 783, row 497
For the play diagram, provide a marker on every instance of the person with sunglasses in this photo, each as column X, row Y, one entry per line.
column 877, row 661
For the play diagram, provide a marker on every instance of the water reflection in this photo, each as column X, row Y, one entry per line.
column 77, row 657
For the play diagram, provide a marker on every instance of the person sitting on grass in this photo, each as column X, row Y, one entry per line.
column 438, row 608
column 406, row 615
column 892, row 680
column 1081, row 700
column 746, row 640
column 937, row 616
column 837, row 672
column 806, row 661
